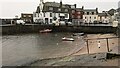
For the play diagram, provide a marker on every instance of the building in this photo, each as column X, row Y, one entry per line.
column 52, row 11
column 76, row 16
column 27, row 17
column 103, row 17
column 117, row 15
column 90, row 15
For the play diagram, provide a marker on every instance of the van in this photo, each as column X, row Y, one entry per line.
column 20, row 22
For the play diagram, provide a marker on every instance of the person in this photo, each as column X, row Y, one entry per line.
column 98, row 44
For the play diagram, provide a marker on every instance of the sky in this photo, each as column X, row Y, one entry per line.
column 11, row 8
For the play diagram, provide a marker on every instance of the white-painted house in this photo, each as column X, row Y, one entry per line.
column 50, row 12
column 90, row 15
column 103, row 17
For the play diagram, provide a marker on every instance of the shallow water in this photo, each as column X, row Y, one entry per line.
column 18, row 50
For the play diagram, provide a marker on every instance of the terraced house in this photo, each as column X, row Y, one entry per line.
column 77, row 15
column 103, row 17
column 90, row 15
column 52, row 11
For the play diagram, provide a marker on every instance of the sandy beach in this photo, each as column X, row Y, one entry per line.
column 93, row 44
column 96, row 56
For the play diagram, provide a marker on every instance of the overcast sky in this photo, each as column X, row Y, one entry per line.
column 10, row 8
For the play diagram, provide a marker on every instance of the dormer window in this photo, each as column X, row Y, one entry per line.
column 66, row 10
column 87, row 13
column 50, row 8
column 29, row 15
column 92, row 13
column 24, row 15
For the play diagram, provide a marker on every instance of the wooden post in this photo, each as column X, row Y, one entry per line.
column 87, row 46
column 107, row 44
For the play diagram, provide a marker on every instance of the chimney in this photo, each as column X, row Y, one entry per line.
column 82, row 7
column 61, row 3
column 97, row 10
column 75, row 5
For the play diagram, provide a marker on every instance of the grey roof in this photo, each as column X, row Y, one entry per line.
column 89, row 10
column 102, row 14
column 55, row 4
column 78, row 9
column 38, row 10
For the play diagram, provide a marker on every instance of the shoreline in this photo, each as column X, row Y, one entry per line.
column 88, row 59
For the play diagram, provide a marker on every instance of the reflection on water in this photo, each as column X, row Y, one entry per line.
column 21, row 49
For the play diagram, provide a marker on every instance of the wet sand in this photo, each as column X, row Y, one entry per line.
column 96, row 57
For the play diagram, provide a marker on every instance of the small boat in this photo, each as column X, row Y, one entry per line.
column 78, row 34
column 67, row 39
column 45, row 31
column 81, row 34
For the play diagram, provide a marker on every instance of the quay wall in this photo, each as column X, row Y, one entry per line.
column 17, row 29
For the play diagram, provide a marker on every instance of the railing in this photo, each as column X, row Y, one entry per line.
column 107, row 42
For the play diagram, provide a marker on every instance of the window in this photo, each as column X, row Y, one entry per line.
column 44, row 14
column 78, row 17
column 92, row 13
column 83, row 13
column 85, row 17
column 29, row 15
column 118, row 17
column 78, row 12
column 73, row 11
column 38, row 14
column 54, row 14
column 50, row 20
column 24, row 15
column 72, row 6
column 87, row 13
column 90, row 17
column 94, row 17
column 66, row 15
column 50, row 8
column 50, row 14
column 66, row 10
column 72, row 16
column 59, row 9
column 34, row 14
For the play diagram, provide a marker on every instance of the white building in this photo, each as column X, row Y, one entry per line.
column 103, row 17
column 117, row 15
column 51, row 11
column 90, row 15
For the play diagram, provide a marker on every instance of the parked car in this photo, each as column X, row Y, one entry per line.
column 20, row 22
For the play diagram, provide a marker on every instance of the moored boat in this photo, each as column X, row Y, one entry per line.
column 45, row 31
column 78, row 34
column 67, row 39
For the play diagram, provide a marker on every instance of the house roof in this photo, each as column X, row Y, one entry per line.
column 55, row 4
column 38, row 9
column 55, row 7
column 78, row 9
column 102, row 14
column 89, row 10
